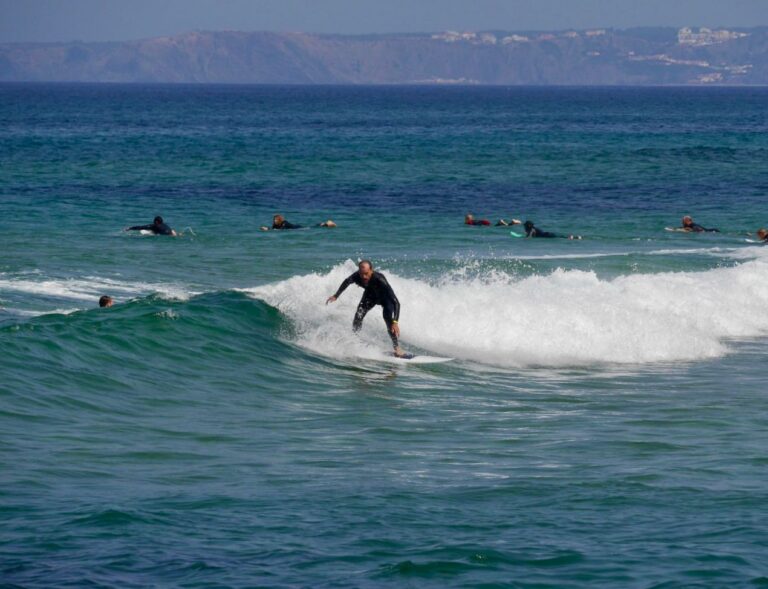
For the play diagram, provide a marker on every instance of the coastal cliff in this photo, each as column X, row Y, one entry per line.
column 643, row 56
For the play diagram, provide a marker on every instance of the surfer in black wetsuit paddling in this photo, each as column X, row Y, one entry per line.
column 158, row 227
column 279, row 222
column 377, row 292
column 532, row 231
column 689, row 226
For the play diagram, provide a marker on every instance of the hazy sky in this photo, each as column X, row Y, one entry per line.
column 105, row 20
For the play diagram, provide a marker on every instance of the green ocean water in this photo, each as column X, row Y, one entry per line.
column 602, row 422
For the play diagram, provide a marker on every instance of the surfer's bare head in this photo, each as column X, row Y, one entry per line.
column 158, row 220
column 687, row 221
column 762, row 234
column 278, row 219
column 365, row 269
column 106, row 301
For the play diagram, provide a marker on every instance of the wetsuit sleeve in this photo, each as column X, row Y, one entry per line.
column 344, row 285
column 390, row 294
column 141, row 228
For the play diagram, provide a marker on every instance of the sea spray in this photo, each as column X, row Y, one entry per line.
column 565, row 318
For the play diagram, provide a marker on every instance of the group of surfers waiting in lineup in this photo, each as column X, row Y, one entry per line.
column 530, row 229
column 376, row 288
column 687, row 226
column 159, row 227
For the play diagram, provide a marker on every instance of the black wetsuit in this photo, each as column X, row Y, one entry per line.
column 534, row 232
column 157, row 229
column 696, row 228
column 377, row 292
column 285, row 225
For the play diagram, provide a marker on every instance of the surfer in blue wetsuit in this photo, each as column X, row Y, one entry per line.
column 532, row 231
column 377, row 292
column 158, row 227
column 690, row 227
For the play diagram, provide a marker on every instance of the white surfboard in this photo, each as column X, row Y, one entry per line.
column 416, row 359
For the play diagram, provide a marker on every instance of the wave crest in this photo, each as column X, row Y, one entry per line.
column 566, row 318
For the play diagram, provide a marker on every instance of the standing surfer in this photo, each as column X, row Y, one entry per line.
column 377, row 292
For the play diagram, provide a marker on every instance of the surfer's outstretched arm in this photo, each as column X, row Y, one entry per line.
column 349, row 280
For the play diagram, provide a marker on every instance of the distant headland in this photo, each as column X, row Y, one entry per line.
column 639, row 56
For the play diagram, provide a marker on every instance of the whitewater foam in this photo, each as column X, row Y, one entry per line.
column 566, row 318
column 714, row 251
column 43, row 295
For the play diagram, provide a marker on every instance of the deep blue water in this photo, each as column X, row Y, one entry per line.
column 602, row 422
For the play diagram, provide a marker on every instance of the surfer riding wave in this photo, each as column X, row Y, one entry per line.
column 377, row 292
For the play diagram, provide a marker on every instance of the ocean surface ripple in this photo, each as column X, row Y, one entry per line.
column 602, row 422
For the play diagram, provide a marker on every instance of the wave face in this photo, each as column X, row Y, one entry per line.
column 566, row 318
column 31, row 294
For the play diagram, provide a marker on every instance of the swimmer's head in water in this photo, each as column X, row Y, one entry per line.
column 762, row 234
column 469, row 217
column 158, row 220
column 528, row 225
column 278, row 219
column 687, row 220
column 106, row 301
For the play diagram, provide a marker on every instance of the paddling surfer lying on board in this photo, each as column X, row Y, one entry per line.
column 158, row 227
column 279, row 223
